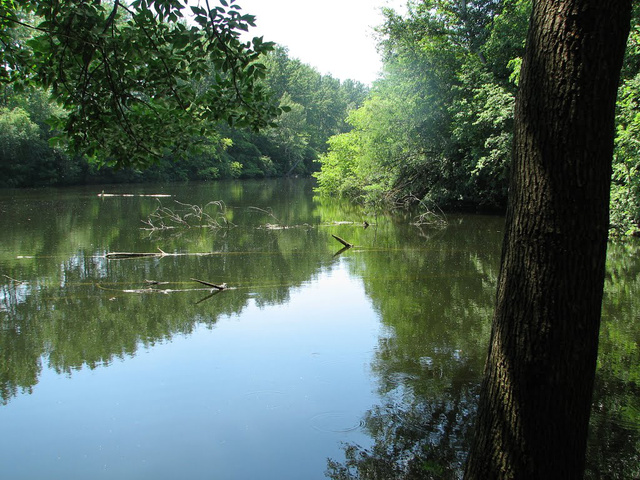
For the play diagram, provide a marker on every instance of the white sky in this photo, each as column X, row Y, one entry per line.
column 334, row 36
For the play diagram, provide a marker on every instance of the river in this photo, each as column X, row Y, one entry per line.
column 313, row 361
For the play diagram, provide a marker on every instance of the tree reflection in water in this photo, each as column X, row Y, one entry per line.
column 423, row 429
column 423, row 439
column 433, row 290
column 430, row 364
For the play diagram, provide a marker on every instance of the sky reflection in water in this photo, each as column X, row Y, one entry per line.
column 268, row 393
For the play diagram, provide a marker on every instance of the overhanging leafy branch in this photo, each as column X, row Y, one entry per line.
column 137, row 81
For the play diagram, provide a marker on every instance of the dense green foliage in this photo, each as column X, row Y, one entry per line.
column 317, row 106
column 137, row 81
column 625, row 188
column 137, row 85
column 200, row 104
column 437, row 127
column 314, row 107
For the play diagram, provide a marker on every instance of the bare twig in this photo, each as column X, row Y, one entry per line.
column 195, row 216
column 268, row 212
column 429, row 217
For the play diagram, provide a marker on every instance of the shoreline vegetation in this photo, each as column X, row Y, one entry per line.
column 435, row 129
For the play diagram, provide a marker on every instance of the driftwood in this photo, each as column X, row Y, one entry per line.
column 346, row 245
column 212, row 285
column 152, row 289
column 213, row 289
column 342, row 241
column 20, row 282
column 157, row 195
column 364, row 223
column 165, row 291
column 159, row 254
column 123, row 255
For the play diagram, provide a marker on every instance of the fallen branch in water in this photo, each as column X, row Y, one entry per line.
column 20, row 282
column 159, row 254
column 151, row 289
column 268, row 212
column 271, row 226
column 157, row 195
column 124, row 255
column 342, row 241
column 428, row 217
column 364, row 223
column 212, row 285
column 167, row 291
column 191, row 216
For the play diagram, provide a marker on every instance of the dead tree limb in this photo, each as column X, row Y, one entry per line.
column 121, row 255
column 161, row 253
column 342, row 241
column 212, row 285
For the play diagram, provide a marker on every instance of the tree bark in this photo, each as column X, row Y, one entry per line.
column 536, row 395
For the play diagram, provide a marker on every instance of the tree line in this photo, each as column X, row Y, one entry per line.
column 316, row 106
column 437, row 127
column 207, row 109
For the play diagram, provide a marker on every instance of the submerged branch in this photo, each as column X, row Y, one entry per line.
column 160, row 254
column 125, row 255
column 268, row 212
column 19, row 282
column 428, row 216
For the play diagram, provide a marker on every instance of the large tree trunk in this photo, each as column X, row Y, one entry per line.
column 536, row 395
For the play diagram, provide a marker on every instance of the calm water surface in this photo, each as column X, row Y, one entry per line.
column 313, row 363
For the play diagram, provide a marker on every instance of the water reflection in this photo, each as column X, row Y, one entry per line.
column 63, row 301
column 380, row 346
column 430, row 365
column 614, row 436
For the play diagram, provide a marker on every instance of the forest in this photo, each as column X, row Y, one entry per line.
column 41, row 148
column 317, row 108
column 436, row 128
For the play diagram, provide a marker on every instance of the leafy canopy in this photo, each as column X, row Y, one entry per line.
column 136, row 79
column 437, row 125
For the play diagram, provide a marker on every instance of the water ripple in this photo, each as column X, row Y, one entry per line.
column 336, row 422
